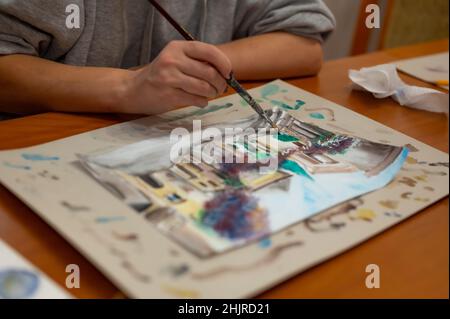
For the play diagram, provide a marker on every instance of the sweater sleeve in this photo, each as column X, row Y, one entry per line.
column 308, row 18
column 37, row 27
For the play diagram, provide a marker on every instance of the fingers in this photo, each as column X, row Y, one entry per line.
column 182, row 98
column 210, row 54
column 206, row 72
column 195, row 86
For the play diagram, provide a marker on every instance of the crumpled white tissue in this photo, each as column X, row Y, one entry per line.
column 383, row 81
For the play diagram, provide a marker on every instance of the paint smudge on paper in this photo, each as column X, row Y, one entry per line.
column 270, row 90
column 421, row 178
column 390, row 204
column 422, row 199
column 411, row 160
column 17, row 284
column 290, row 233
column 74, row 208
column 425, row 171
column 235, row 214
column 178, row 292
column 317, row 116
column 135, row 273
column 17, row 166
column 328, row 221
column 429, row 188
column 47, row 175
column 408, row 181
column 411, row 148
column 105, row 220
column 443, row 164
column 39, row 157
column 265, row 243
column 364, row 214
column 272, row 256
column 393, row 214
column 406, row 195
column 177, row 270
column 321, row 113
column 126, row 237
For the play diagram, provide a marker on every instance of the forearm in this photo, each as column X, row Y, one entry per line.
column 30, row 84
column 274, row 55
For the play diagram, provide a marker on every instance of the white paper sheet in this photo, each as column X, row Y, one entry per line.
column 19, row 279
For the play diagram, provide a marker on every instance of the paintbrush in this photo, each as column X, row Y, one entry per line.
column 231, row 81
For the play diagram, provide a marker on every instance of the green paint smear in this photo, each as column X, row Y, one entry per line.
column 269, row 90
column 317, row 116
column 285, row 106
column 294, row 168
column 233, row 182
column 286, row 138
column 259, row 155
column 211, row 109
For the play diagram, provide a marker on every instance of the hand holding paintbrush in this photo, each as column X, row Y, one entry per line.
column 231, row 80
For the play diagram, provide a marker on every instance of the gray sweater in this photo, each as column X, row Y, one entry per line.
column 127, row 33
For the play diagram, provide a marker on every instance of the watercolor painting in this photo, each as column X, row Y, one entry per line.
column 163, row 229
column 21, row 280
column 210, row 208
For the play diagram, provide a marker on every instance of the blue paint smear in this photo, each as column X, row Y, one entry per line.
column 17, row 166
column 317, row 116
column 105, row 220
column 39, row 157
column 18, row 284
column 265, row 243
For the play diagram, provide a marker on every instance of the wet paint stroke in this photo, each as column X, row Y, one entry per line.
column 39, row 157
column 272, row 256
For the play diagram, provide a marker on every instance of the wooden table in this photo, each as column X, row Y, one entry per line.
column 413, row 256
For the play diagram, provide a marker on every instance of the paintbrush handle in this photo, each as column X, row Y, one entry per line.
column 172, row 21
